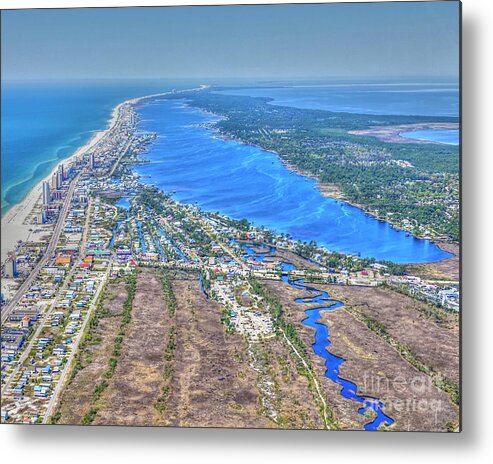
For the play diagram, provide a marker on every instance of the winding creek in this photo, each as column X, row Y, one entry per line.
column 321, row 343
column 243, row 181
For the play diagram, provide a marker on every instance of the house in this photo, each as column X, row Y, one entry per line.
column 26, row 322
column 59, row 351
column 18, row 392
column 63, row 260
column 75, row 315
column 41, row 390
column 46, row 369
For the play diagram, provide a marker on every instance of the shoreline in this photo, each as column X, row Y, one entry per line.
column 13, row 221
column 13, row 226
column 332, row 190
column 392, row 134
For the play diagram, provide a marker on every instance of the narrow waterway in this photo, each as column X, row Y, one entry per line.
column 321, row 343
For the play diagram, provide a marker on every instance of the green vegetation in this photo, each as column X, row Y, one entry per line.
column 89, row 417
column 169, row 296
column 414, row 186
column 162, row 400
column 55, row 418
column 440, row 381
column 112, row 363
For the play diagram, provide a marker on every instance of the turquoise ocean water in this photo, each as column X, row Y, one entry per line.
column 45, row 122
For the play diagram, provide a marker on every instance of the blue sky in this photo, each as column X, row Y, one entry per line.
column 280, row 41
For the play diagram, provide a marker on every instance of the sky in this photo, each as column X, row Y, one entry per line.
column 378, row 40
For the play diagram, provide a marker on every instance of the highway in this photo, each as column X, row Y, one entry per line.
column 46, row 315
column 52, row 244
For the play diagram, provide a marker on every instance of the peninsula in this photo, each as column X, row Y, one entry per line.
column 116, row 274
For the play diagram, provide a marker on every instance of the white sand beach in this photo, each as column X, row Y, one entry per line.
column 13, row 222
column 13, row 226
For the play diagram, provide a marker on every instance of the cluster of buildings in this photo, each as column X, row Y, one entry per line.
column 246, row 313
column 443, row 295
column 40, row 332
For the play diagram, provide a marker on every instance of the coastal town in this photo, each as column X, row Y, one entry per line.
column 96, row 225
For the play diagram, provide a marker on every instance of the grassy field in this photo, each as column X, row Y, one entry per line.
column 377, row 367
column 93, row 357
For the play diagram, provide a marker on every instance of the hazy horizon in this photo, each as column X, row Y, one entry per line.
column 259, row 42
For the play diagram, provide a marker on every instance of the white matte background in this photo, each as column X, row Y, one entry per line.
column 93, row 445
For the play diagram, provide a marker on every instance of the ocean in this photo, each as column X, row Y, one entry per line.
column 43, row 123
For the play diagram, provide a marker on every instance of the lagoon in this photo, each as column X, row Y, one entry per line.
column 241, row 181
column 445, row 136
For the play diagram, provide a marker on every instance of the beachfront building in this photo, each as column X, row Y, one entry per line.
column 59, row 179
column 46, row 194
column 11, row 268
column 54, row 181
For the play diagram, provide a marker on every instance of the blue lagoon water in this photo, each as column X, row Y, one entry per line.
column 447, row 137
column 123, row 202
column 44, row 122
column 243, row 181
column 424, row 99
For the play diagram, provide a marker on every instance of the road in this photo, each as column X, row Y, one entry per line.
column 45, row 317
column 75, row 345
column 8, row 308
column 117, row 162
